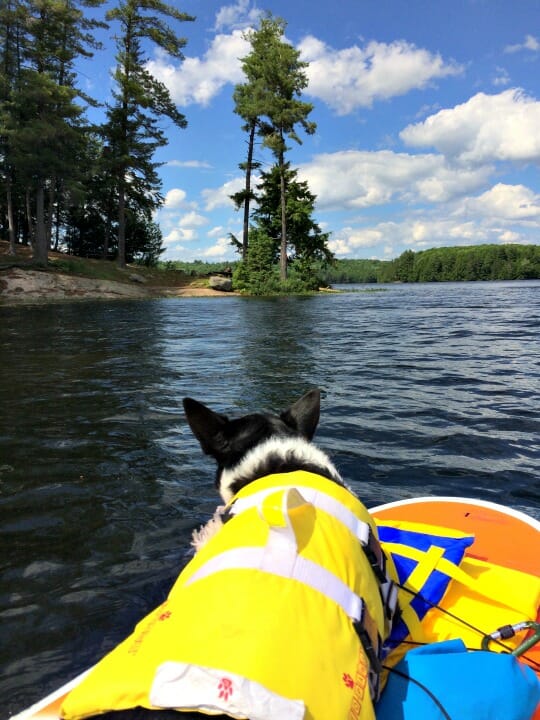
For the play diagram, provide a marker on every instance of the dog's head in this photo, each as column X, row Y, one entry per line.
column 255, row 445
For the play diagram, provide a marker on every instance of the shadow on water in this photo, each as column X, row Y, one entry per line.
column 426, row 390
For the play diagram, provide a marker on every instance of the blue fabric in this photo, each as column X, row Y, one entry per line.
column 436, row 584
column 468, row 685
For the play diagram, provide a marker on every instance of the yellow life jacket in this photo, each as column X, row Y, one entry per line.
column 446, row 595
column 278, row 615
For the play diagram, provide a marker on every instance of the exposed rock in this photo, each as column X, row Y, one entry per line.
column 136, row 278
column 18, row 285
column 217, row 282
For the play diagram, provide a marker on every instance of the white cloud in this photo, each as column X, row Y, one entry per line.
column 222, row 250
column 483, row 129
column 236, row 16
column 198, row 80
column 508, row 236
column 417, row 234
column 512, row 203
column 192, row 219
column 360, row 179
column 344, row 79
column 339, row 247
column 357, row 77
column 216, row 231
column 174, row 199
column 530, row 43
column 502, row 214
column 188, row 164
column 349, row 238
column 501, row 77
column 179, row 235
column 219, row 197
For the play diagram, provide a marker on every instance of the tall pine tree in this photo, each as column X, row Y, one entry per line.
column 9, row 31
column 280, row 78
column 140, row 100
column 42, row 121
column 307, row 244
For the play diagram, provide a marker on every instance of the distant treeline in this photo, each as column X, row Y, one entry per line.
column 477, row 262
column 199, row 268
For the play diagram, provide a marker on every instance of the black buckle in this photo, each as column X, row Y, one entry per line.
column 376, row 557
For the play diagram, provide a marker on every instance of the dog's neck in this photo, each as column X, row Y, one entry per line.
column 275, row 455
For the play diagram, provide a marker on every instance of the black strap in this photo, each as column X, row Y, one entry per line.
column 366, row 629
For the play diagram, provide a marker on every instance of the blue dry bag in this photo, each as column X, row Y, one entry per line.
column 468, row 685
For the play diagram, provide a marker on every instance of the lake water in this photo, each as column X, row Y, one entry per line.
column 427, row 389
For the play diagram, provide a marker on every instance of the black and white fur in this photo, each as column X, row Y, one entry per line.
column 260, row 444
column 257, row 445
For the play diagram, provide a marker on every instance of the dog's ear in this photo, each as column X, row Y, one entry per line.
column 206, row 424
column 303, row 415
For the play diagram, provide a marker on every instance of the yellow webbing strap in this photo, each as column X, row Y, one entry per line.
column 504, row 594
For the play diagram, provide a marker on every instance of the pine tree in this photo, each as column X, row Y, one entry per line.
column 307, row 245
column 9, row 28
column 249, row 104
column 132, row 128
column 42, row 120
column 280, row 79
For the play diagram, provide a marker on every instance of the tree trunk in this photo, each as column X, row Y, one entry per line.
column 29, row 221
column 283, row 251
column 248, row 190
column 48, row 226
column 121, row 260
column 11, row 223
column 41, row 247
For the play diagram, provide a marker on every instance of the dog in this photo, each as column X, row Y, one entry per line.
column 257, row 445
column 249, row 452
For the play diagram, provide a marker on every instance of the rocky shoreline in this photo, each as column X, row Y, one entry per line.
column 19, row 286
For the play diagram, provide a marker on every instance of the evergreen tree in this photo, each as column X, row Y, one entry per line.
column 9, row 30
column 249, row 104
column 283, row 79
column 132, row 129
column 307, row 245
column 276, row 77
column 42, row 122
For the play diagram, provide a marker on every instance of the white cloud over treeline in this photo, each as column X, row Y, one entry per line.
column 358, row 76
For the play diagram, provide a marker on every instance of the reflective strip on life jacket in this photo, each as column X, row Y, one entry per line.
column 280, row 554
column 360, row 529
column 290, row 566
column 317, row 498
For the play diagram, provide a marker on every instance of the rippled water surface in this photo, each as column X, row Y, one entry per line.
column 428, row 389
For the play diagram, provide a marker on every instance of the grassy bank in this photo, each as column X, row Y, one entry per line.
column 165, row 277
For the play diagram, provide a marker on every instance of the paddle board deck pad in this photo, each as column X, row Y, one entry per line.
column 502, row 536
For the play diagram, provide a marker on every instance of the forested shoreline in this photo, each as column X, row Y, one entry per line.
column 446, row 264
column 92, row 191
column 69, row 185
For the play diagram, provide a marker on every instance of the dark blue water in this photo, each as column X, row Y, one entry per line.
column 427, row 389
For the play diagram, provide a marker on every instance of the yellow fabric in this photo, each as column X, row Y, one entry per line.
column 494, row 596
column 482, row 594
column 278, row 632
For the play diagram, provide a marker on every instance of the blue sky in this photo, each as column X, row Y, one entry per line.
column 427, row 112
